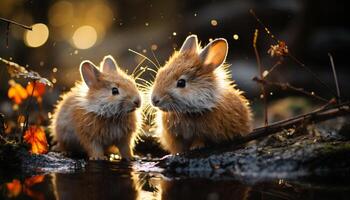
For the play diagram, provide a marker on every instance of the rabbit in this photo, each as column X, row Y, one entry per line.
column 197, row 103
column 99, row 112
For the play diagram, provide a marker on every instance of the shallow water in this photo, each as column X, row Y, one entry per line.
column 118, row 180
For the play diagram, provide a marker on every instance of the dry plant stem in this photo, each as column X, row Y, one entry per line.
column 16, row 23
column 312, row 73
column 7, row 34
column 285, row 86
column 278, row 63
column 315, row 116
column 26, row 120
column 263, row 91
column 290, row 55
column 335, row 77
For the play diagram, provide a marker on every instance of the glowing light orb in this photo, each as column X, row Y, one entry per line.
column 235, row 37
column 38, row 36
column 84, row 37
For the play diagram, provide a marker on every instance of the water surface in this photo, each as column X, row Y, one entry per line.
column 120, row 180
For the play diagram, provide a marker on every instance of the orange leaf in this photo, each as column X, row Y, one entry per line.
column 39, row 90
column 14, row 188
column 16, row 92
column 29, row 182
column 35, row 136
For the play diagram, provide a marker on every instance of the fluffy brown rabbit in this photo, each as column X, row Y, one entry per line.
column 197, row 102
column 99, row 112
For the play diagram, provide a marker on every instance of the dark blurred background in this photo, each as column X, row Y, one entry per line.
column 69, row 31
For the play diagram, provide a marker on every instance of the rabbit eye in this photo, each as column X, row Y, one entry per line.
column 115, row 91
column 181, row 83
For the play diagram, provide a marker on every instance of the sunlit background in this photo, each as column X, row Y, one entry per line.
column 65, row 32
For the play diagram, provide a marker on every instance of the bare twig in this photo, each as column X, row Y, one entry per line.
column 335, row 77
column 278, row 63
column 312, row 73
column 16, row 23
column 263, row 25
column 16, row 70
column 26, row 111
column 289, row 54
column 315, row 116
column 263, row 90
column 285, row 86
column 7, row 34
column 2, row 123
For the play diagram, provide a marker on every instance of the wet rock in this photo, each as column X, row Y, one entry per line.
column 51, row 162
column 303, row 155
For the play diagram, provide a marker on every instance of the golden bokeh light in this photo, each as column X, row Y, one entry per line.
column 38, row 36
column 84, row 37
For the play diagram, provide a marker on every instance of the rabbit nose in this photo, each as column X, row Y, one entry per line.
column 137, row 102
column 155, row 101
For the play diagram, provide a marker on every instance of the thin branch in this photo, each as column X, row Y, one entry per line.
column 285, row 86
column 16, row 23
column 289, row 54
column 7, row 34
column 262, row 86
column 26, row 120
column 263, row 25
column 278, row 63
column 2, row 123
column 312, row 73
column 16, row 70
column 315, row 116
column 335, row 77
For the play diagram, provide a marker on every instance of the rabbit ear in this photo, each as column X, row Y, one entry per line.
column 109, row 64
column 89, row 73
column 214, row 54
column 190, row 45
